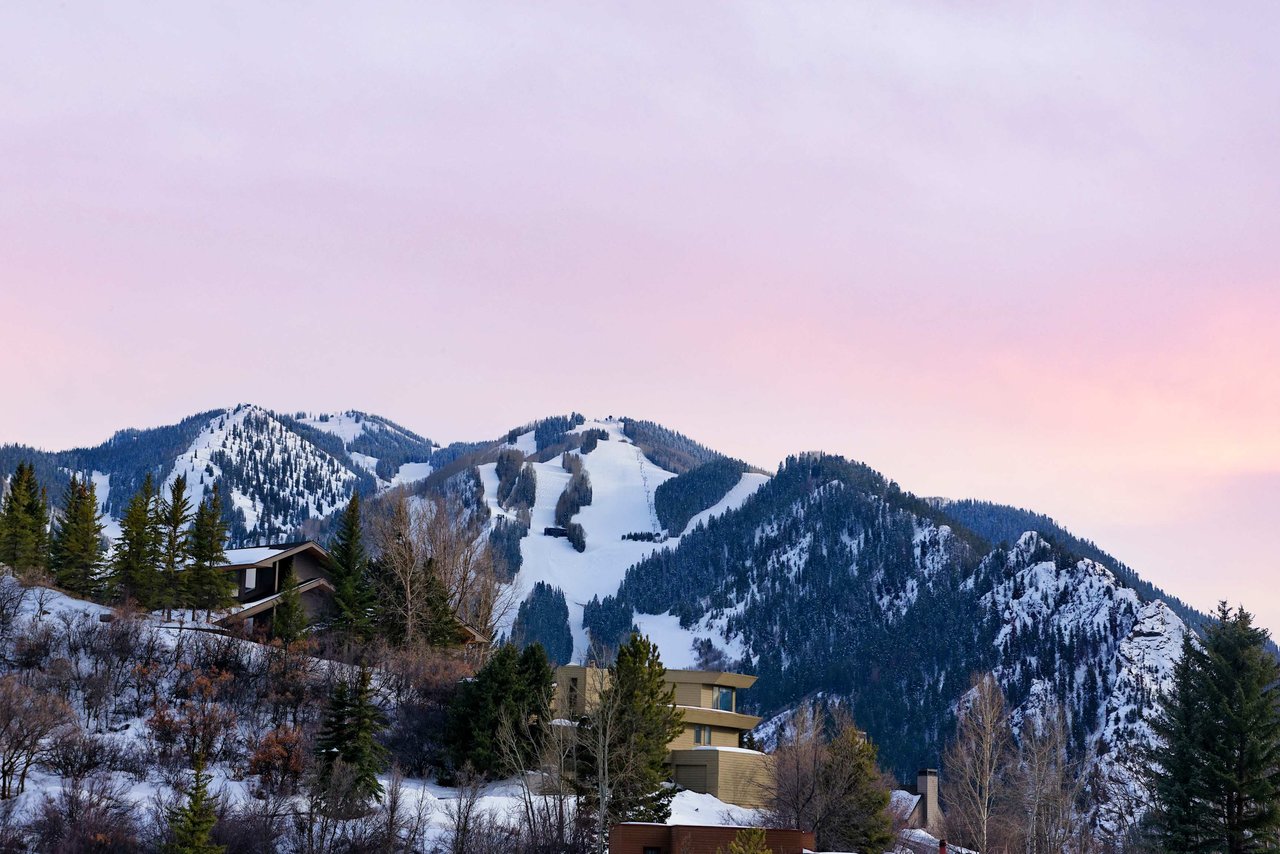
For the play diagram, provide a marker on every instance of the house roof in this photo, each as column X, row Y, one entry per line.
column 711, row 677
column 252, row 609
column 264, row 556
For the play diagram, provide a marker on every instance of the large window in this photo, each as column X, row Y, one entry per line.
column 723, row 699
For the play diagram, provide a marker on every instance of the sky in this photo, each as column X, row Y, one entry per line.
column 1023, row 252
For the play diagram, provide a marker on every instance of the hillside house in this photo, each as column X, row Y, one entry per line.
column 260, row 572
column 708, row 755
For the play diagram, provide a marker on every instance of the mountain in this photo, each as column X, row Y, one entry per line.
column 276, row 471
column 826, row 579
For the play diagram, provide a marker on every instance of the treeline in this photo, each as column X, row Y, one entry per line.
column 592, row 438
column 517, row 481
column 679, row 499
column 665, row 448
column 576, row 494
column 543, row 618
column 167, row 556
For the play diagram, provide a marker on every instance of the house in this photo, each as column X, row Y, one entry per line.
column 260, row 573
column 708, row 754
column 643, row 838
column 918, row 808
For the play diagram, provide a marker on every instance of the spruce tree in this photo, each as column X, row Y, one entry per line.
column 639, row 718
column 24, row 521
column 352, row 598
column 134, row 573
column 75, row 555
column 173, row 516
column 191, row 824
column 289, row 620
column 348, row 754
column 440, row 625
column 207, row 585
column 1216, row 776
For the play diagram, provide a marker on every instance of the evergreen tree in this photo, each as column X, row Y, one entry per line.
column 134, row 573
column 1216, row 777
column 440, row 625
column 75, row 556
column 348, row 754
column 173, row 515
column 635, row 721
column 748, row 840
column 207, row 585
column 191, row 824
column 512, row 689
column 544, row 618
column 289, row 621
column 24, row 523
column 352, row 598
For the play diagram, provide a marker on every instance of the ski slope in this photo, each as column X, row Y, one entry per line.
column 623, row 481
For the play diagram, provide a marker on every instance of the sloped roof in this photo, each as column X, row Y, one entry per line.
column 264, row 556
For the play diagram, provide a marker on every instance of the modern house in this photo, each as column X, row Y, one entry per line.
column 261, row 571
column 708, row 755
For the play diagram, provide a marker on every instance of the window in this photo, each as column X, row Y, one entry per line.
column 250, row 578
column 722, row 698
column 649, row 849
column 701, row 734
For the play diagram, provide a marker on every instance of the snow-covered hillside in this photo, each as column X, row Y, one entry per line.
column 623, row 481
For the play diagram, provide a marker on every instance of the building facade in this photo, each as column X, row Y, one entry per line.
column 708, row 754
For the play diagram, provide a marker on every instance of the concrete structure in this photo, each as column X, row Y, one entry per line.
column 707, row 756
column 638, row 838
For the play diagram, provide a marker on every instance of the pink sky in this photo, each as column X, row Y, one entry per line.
column 1024, row 254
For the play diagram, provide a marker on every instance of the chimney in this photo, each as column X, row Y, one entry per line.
column 927, row 789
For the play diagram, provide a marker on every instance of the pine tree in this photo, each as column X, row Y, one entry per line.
column 24, row 523
column 191, row 825
column 351, row 596
column 289, row 620
column 440, row 625
column 75, row 555
column 134, row 573
column 173, row 515
column 348, row 754
column 643, row 719
column 207, row 585
column 1216, row 776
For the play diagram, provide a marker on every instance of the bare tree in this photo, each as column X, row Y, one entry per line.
column 825, row 780
column 977, row 763
column 402, row 539
column 28, row 719
column 1049, row 786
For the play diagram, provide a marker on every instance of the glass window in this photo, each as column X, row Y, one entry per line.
column 250, row 578
column 723, row 699
column 701, row 734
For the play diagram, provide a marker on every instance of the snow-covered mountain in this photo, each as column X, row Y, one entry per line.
column 275, row 471
column 825, row 578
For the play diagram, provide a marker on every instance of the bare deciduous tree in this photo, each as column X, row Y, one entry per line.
column 1049, row 785
column 28, row 718
column 977, row 763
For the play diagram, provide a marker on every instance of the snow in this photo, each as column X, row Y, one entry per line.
column 526, row 444
column 250, row 555
column 623, row 481
column 347, row 426
column 366, row 462
column 410, row 472
column 741, row 491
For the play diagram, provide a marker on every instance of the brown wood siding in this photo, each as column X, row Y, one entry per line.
column 687, row 839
